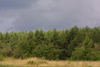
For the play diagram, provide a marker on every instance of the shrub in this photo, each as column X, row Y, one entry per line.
column 31, row 62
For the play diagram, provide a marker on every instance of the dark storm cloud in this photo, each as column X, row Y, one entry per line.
column 49, row 14
column 10, row 10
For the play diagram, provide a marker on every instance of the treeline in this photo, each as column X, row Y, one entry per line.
column 74, row 44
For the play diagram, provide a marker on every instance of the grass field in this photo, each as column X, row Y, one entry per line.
column 36, row 62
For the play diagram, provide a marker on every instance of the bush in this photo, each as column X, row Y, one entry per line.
column 31, row 62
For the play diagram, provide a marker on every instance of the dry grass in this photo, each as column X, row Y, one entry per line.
column 46, row 63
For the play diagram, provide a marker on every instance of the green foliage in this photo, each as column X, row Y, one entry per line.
column 1, row 57
column 85, row 51
column 22, row 50
column 46, row 51
column 62, row 54
column 48, row 36
column 31, row 62
column 55, row 38
column 75, row 44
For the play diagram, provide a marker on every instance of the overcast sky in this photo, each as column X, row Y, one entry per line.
column 18, row 15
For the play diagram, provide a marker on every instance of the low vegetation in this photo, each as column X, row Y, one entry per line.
column 36, row 62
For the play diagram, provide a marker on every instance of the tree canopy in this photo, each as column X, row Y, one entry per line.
column 74, row 44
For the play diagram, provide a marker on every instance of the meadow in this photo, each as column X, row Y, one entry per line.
column 36, row 62
column 56, row 48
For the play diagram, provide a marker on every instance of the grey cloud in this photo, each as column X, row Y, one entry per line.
column 15, row 4
column 60, row 14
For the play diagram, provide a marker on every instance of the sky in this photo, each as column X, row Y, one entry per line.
column 26, row 15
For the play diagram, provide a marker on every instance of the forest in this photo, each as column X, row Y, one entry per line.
column 66, row 44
